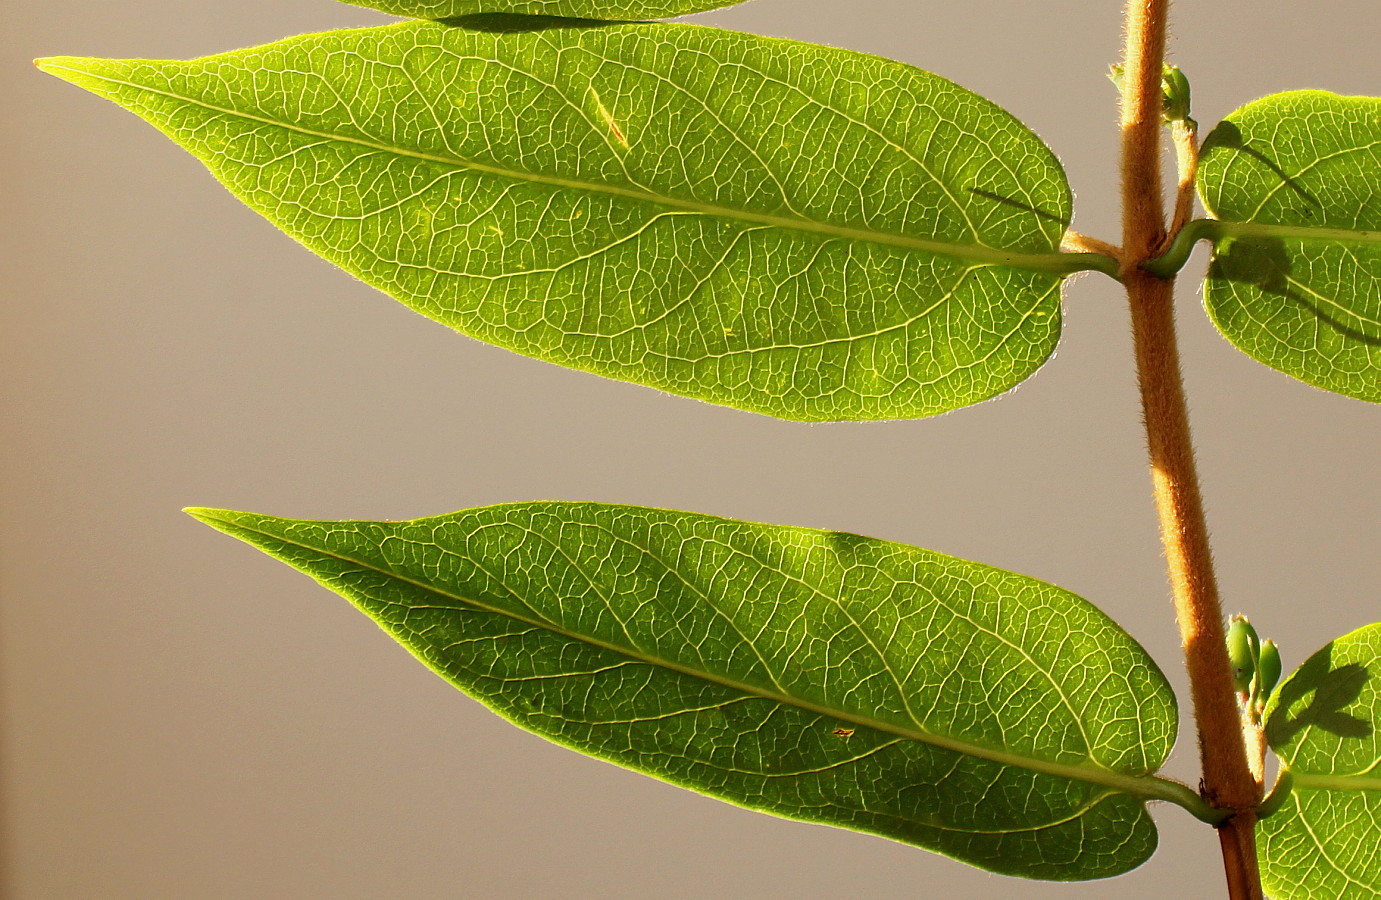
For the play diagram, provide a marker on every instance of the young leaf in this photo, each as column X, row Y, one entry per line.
column 1325, row 840
column 811, row 674
column 579, row 9
column 795, row 230
column 1295, row 281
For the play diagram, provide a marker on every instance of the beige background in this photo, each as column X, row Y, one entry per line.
column 187, row 719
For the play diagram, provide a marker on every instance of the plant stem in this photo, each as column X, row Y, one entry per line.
column 1185, row 134
column 1237, row 839
column 1076, row 242
column 1227, row 781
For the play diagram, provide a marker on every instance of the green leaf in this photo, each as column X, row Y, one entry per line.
column 580, row 9
column 1325, row 840
column 811, row 674
column 1295, row 280
column 795, row 230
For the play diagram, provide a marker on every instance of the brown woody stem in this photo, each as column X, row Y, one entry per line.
column 1227, row 779
column 1237, row 838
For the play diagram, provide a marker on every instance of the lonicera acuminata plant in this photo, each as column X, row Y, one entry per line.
column 819, row 235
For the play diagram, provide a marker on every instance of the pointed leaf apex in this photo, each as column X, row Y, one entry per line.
column 225, row 520
column 87, row 72
column 63, row 67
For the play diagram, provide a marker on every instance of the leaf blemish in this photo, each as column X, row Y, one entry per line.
column 843, row 732
column 610, row 121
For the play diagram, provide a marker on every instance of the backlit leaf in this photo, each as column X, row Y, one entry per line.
column 579, row 9
column 1295, row 280
column 800, row 231
column 811, row 674
column 1325, row 842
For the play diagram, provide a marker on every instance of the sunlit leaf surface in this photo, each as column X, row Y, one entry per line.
column 811, row 674
column 1295, row 280
column 800, row 231
column 1325, row 842
column 580, row 9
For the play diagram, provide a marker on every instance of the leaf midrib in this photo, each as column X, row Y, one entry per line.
column 1229, row 228
column 1048, row 263
column 1146, row 787
column 1327, row 782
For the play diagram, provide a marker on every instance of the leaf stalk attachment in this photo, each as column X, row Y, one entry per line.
column 1279, row 794
column 1176, row 253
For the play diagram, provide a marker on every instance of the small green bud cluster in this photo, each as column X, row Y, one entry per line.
column 1174, row 87
column 1255, row 666
column 1175, row 95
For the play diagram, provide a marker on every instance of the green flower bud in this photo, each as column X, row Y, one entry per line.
column 1269, row 666
column 1175, row 90
column 1174, row 87
column 1243, row 648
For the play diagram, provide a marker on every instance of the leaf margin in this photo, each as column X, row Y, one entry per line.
column 1260, row 278
column 628, row 10
column 1145, row 787
column 832, row 402
column 1283, row 811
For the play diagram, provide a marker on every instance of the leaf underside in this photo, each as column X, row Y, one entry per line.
column 579, row 9
column 1325, row 842
column 800, row 231
column 1295, row 280
column 814, row 675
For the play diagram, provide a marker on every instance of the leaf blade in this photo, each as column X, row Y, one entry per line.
column 718, row 623
column 657, row 228
column 1325, row 840
column 1295, row 282
column 617, row 10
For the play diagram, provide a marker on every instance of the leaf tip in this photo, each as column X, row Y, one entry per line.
column 87, row 72
column 216, row 518
column 65, row 67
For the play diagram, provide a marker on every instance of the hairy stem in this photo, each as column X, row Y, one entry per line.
column 1227, row 780
column 1254, row 739
column 1076, row 242
column 1237, row 838
column 1185, row 134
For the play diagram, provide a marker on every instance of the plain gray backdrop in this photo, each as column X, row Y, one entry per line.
column 185, row 718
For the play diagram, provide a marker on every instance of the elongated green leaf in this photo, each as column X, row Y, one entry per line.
column 580, row 9
column 1325, row 842
column 811, row 674
column 800, row 231
column 1295, row 281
